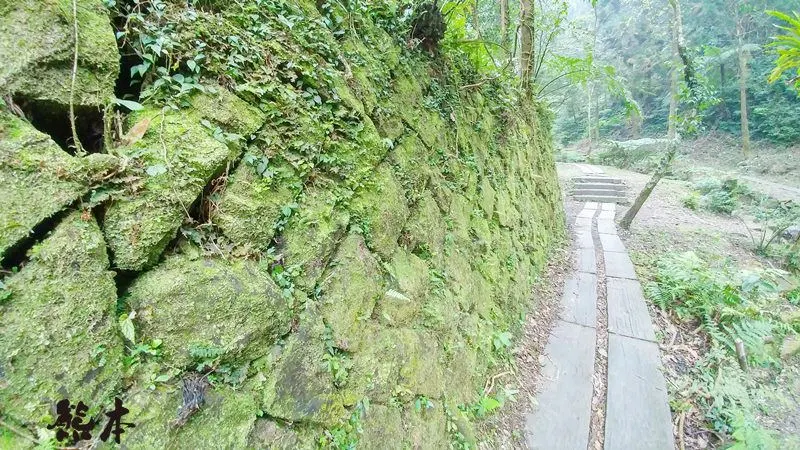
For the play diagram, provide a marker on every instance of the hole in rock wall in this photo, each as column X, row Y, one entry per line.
column 52, row 119
column 17, row 255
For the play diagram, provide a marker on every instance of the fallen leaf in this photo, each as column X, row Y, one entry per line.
column 136, row 133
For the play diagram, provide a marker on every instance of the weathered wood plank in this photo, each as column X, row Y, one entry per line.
column 579, row 301
column 619, row 265
column 586, row 261
column 627, row 310
column 637, row 412
column 611, row 243
column 560, row 420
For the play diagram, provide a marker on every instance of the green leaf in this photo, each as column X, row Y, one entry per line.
column 156, row 169
column 130, row 104
column 126, row 326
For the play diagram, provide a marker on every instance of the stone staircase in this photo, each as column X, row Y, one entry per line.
column 599, row 188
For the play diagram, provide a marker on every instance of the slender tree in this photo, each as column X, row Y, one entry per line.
column 504, row 22
column 526, row 43
column 744, row 56
column 672, row 147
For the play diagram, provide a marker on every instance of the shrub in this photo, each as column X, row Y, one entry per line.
column 720, row 196
column 729, row 305
column 692, row 201
column 570, row 156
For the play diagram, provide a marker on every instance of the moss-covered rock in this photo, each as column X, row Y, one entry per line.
column 298, row 385
column 383, row 428
column 233, row 309
column 269, row 435
column 427, row 427
column 425, row 231
column 349, row 290
column 37, row 51
column 400, row 305
column 38, row 179
column 180, row 152
column 58, row 336
column 381, row 211
column 225, row 419
column 313, row 232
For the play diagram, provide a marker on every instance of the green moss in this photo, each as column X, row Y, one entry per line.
column 231, row 306
column 425, row 231
column 349, row 291
column 297, row 386
column 37, row 51
column 381, row 211
column 270, row 435
column 225, row 419
column 383, row 428
column 400, row 305
column 38, row 179
column 177, row 156
column 410, row 157
column 251, row 204
column 58, row 337
column 313, row 232
column 426, row 429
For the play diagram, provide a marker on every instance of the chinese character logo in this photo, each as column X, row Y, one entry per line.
column 71, row 422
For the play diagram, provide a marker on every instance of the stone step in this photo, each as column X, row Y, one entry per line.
column 597, row 179
column 611, row 186
column 600, row 192
column 601, row 198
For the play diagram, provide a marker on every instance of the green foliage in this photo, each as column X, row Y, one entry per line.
column 208, row 361
column 692, row 201
column 720, row 196
column 5, row 293
column 347, row 435
column 570, row 156
column 642, row 159
column 748, row 435
column 787, row 47
column 337, row 362
column 729, row 306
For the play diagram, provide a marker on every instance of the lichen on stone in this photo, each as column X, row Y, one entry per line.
column 234, row 309
column 58, row 335
column 38, row 179
column 38, row 46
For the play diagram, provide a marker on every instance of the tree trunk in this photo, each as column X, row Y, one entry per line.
column 663, row 165
column 661, row 170
column 475, row 20
column 504, row 22
column 673, row 105
column 526, row 43
column 743, row 74
column 594, row 120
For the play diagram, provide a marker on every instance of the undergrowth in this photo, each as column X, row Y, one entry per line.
column 728, row 306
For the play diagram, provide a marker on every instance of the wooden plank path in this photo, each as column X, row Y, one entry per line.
column 637, row 412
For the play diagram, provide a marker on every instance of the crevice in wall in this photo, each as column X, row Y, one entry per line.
column 17, row 255
column 53, row 119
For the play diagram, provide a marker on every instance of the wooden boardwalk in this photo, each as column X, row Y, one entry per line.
column 637, row 413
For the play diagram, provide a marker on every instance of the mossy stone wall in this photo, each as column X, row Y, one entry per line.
column 326, row 264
